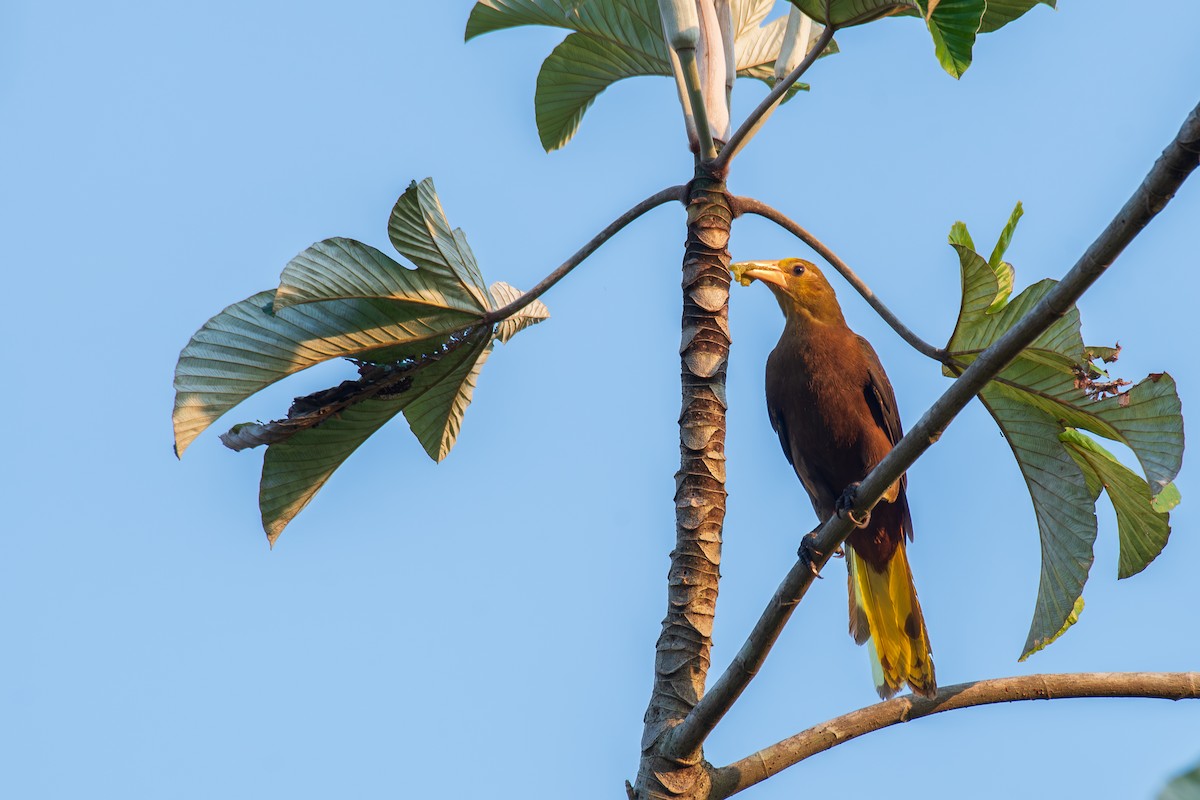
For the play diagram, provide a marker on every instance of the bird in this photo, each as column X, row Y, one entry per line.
column 833, row 407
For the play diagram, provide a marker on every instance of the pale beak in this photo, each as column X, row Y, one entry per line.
column 766, row 271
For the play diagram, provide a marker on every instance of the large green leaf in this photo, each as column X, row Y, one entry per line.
column 248, row 346
column 295, row 470
column 419, row 336
column 1063, row 507
column 576, row 71
column 1049, row 389
column 612, row 40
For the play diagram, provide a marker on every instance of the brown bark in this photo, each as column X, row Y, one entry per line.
column 682, row 653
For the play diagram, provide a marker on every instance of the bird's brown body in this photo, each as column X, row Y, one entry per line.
column 833, row 407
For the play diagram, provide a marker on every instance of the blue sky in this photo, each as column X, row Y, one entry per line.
column 485, row 627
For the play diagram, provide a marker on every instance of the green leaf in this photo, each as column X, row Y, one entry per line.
column 1141, row 529
column 495, row 15
column 343, row 269
column 1167, row 499
column 535, row 312
column 1001, row 12
column 1072, row 618
column 1183, row 787
column 247, row 347
column 1062, row 505
column 576, row 71
column 296, row 469
column 612, row 40
column 420, row 328
column 634, row 24
column 418, row 229
column 953, row 25
column 845, row 13
column 1005, row 239
column 1049, row 388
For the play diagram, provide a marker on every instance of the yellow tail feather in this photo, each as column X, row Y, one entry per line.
column 884, row 607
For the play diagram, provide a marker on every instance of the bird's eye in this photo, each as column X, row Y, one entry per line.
column 798, row 269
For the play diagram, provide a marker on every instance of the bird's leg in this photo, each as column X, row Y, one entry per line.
column 809, row 554
column 845, row 506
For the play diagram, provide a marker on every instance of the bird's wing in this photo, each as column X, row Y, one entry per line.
column 780, row 428
column 881, row 399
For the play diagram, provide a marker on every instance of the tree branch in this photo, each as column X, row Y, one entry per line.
column 774, row 97
column 748, row 205
column 759, row 766
column 1176, row 163
column 676, row 193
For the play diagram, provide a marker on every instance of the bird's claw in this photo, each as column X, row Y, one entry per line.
column 845, row 507
column 809, row 554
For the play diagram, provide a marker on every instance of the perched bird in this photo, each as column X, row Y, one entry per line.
column 834, row 410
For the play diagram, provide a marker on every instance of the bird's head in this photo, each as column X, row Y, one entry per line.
column 802, row 291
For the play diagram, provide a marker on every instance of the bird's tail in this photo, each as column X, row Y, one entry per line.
column 884, row 609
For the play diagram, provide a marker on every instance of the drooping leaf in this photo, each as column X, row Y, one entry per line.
column 295, row 470
column 436, row 411
column 953, row 25
column 576, row 71
column 1050, row 388
column 419, row 336
column 1001, row 12
column 247, row 347
column 1141, row 529
column 612, row 40
column 1072, row 618
column 535, row 312
column 845, row 13
column 1063, row 507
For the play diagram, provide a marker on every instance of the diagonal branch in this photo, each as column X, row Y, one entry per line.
column 764, row 109
column 759, row 766
column 748, row 205
column 1169, row 172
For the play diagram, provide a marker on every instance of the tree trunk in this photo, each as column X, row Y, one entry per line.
column 682, row 653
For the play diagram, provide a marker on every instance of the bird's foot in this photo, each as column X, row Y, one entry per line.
column 845, row 506
column 809, row 554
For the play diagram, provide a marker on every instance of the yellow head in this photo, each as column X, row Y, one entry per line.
column 802, row 291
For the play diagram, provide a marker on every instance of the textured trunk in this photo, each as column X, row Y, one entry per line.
column 682, row 654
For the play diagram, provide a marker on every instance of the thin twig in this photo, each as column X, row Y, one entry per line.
column 748, row 205
column 676, row 193
column 1169, row 172
column 759, row 766
column 773, row 98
